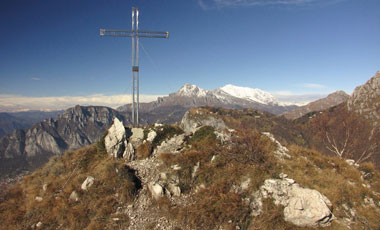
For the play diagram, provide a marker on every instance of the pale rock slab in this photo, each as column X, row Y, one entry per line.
column 151, row 135
column 74, row 196
column 156, row 190
column 115, row 139
column 302, row 206
column 87, row 183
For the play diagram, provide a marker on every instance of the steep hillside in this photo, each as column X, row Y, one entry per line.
column 210, row 172
column 76, row 127
column 319, row 105
column 349, row 130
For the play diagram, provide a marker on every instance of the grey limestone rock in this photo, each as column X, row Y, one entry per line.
column 302, row 206
column 115, row 139
column 191, row 123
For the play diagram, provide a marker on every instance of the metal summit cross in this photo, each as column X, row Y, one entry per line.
column 135, row 34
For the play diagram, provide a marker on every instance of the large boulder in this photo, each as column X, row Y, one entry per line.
column 192, row 121
column 302, row 206
column 115, row 140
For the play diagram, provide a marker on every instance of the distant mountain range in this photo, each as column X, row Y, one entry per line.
column 22, row 120
column 189, row 96
column 78, row 126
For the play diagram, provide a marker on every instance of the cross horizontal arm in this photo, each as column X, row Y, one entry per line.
column 130, row 33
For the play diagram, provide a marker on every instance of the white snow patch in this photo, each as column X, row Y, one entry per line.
column 256, row 95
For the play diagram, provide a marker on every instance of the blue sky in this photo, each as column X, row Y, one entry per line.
column 52, row 48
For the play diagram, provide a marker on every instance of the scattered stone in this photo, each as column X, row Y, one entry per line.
column 74, row 196
column 151, row 135
column 174, row 189
column 369, row 201
column 195, row 170
column 88, row 183
column 245, row 184
column 176, row 167
column 38, row 199
column 39, row 224
column 281, row 152
column 44, row 187
column 156, row 190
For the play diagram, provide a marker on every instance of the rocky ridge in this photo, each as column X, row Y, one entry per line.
column 365, row 100
column 76, row 127
column 331, row 100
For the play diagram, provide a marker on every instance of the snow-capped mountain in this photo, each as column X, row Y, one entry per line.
column 172, row 107
column 189, row 90
column 256, row 95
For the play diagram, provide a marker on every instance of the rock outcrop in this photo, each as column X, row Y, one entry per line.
column 192, row 122
column 302, row 206
column 116, row 141
column 365, row 100
column 172, row 145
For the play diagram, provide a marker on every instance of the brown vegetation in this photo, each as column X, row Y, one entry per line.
column 114, row 185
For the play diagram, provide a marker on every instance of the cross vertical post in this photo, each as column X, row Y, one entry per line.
column 135, row 34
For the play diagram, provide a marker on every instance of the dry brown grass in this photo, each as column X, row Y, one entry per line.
column 115, row 184
column 144, row 150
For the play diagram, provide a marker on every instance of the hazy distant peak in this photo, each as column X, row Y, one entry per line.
column 191, row 90
column 251, row 94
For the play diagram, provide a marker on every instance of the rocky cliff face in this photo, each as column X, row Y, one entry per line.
column 365, row 100
column 76, row 127
column 331, row 100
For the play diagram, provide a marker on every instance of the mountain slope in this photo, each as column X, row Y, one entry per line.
column 30, row 148
column 331, row 100
column 213, row 178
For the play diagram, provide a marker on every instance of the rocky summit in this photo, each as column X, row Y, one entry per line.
column 211, row 171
